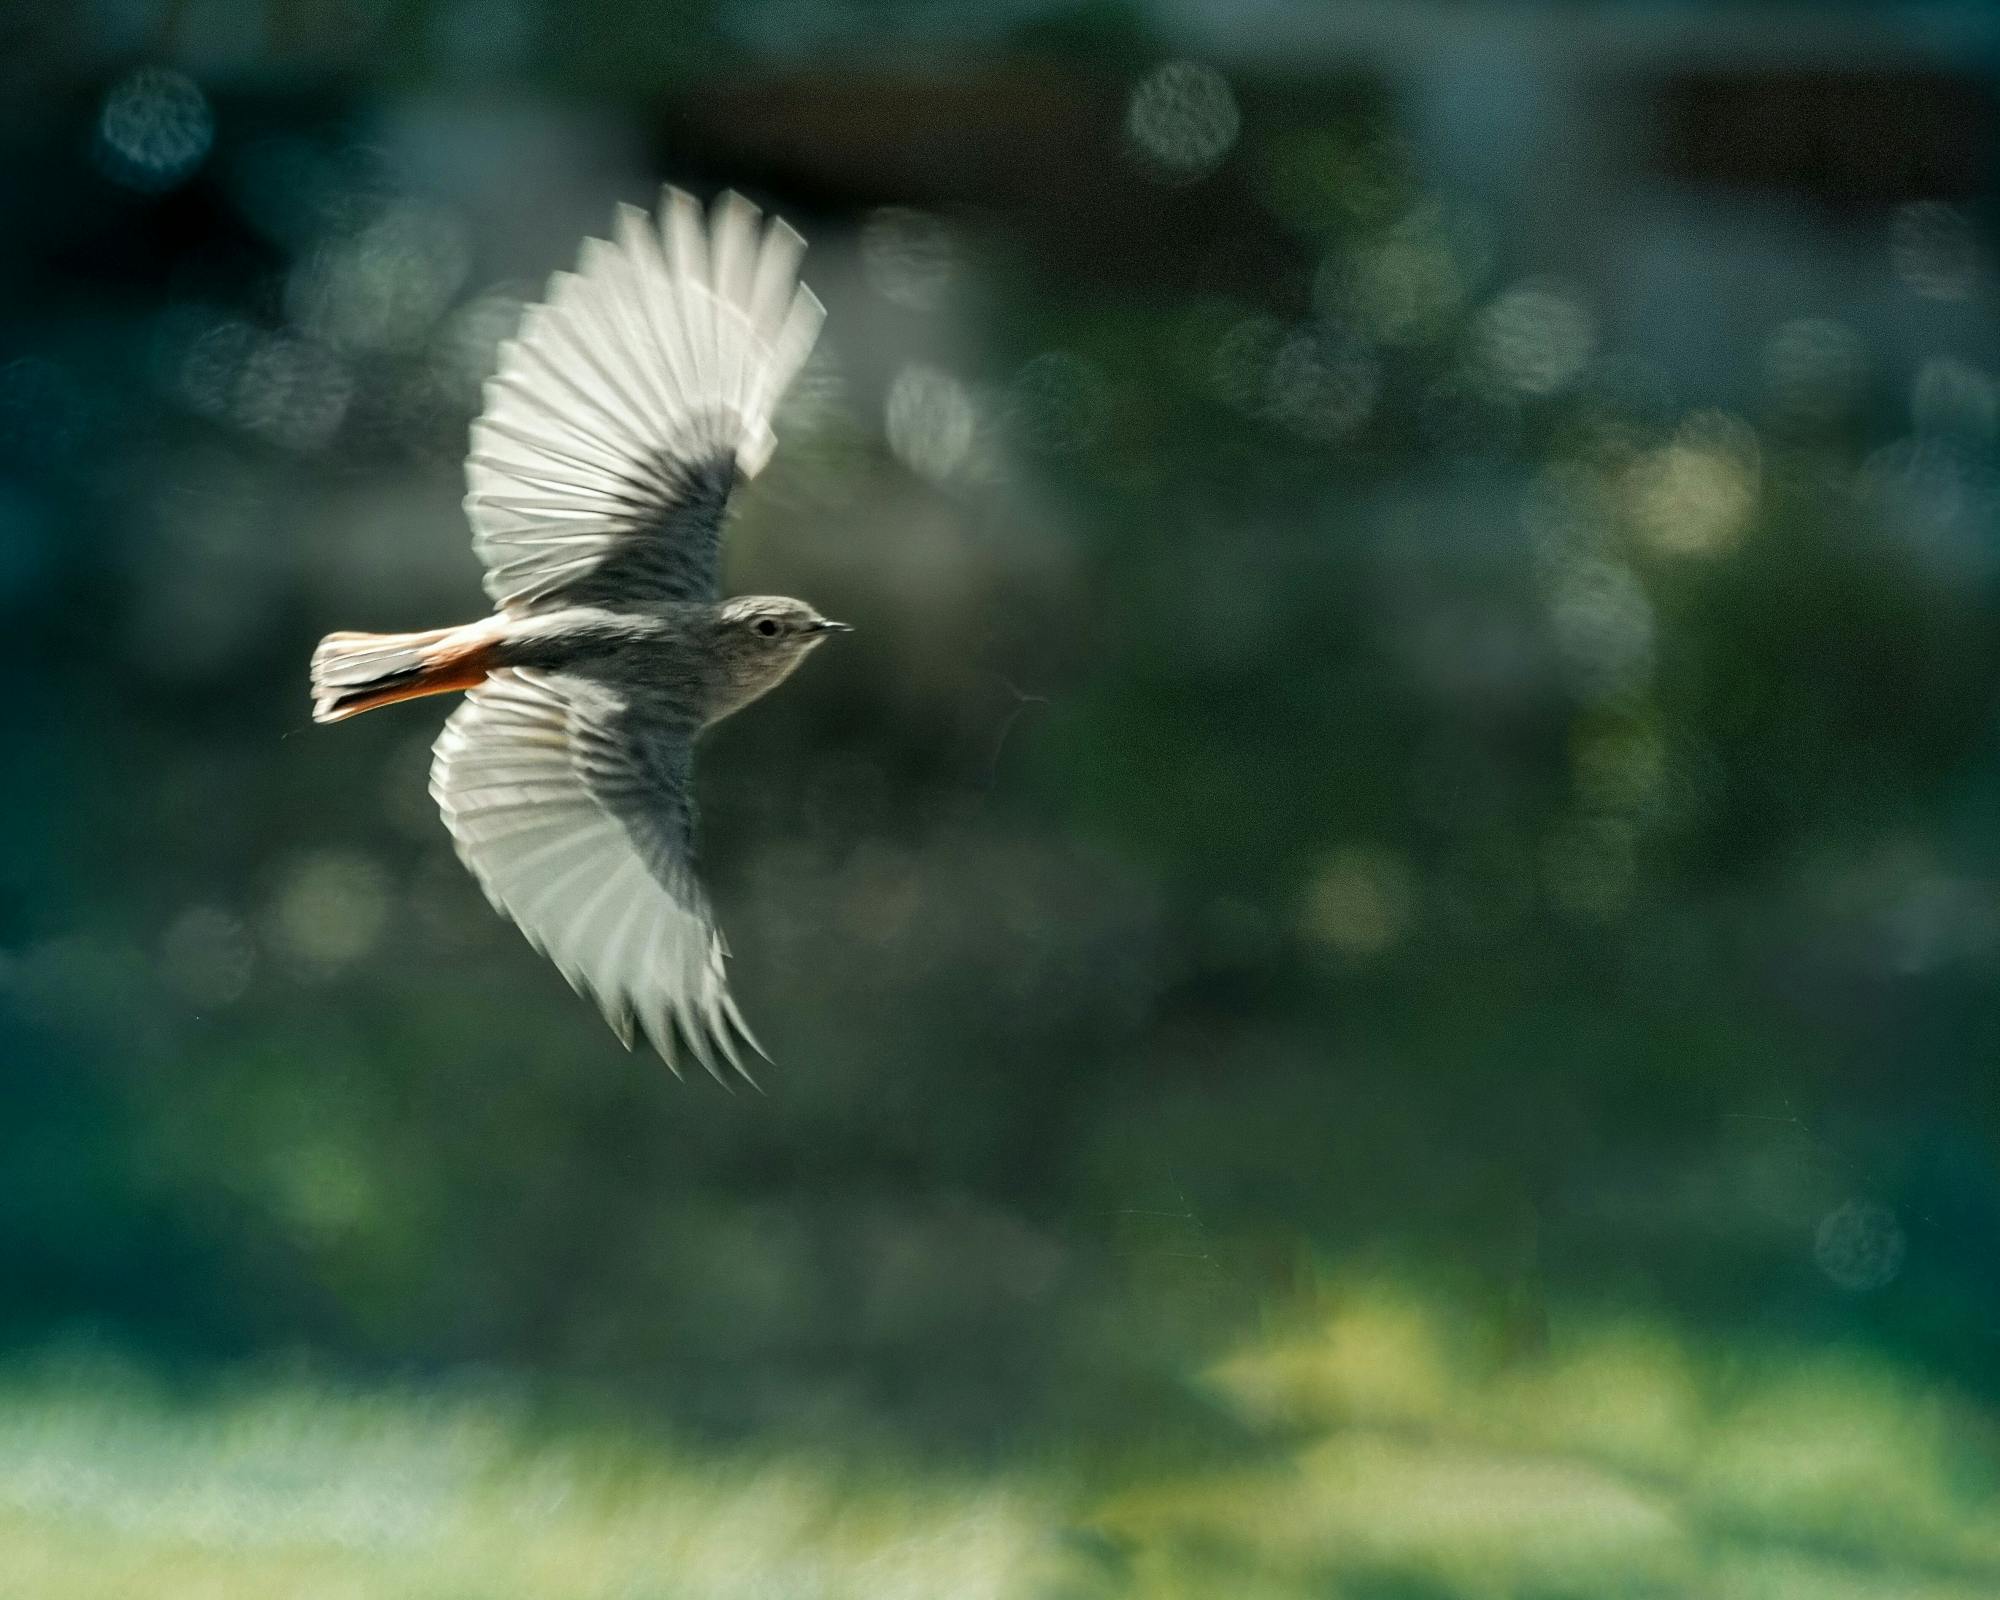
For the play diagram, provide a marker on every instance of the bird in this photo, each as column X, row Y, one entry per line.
column 620, row 420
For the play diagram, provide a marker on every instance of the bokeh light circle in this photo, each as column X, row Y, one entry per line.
column 154, row 130
column 1182, row 120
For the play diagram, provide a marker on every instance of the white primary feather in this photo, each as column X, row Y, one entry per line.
column 549, row 855
column 670, row 346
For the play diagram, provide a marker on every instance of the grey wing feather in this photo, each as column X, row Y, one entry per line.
column 630, row 403
column 575, row 811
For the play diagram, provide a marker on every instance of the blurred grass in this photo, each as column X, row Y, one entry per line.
column 1385, row 1444
column 1429, row 1454
column 109, row 1488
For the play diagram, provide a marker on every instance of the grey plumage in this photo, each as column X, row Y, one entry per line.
column 620, row 421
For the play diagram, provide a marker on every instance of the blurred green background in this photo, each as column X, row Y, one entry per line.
column 1382, row 951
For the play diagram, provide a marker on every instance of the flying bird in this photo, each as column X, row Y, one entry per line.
column 621, row 418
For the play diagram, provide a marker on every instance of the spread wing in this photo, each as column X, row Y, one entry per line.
column 629, row 404
column 575, row 811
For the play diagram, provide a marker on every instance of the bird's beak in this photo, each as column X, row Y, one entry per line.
column 825, row 625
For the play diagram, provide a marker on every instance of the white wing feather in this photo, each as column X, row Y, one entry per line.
column 567, row 871
column 665, row 352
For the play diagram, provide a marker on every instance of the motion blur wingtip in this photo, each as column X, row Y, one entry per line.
column 719, row 1030
column 696, row 1037
column 660, row 1035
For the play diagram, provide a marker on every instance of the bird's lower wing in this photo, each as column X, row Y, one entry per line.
column 541, row 784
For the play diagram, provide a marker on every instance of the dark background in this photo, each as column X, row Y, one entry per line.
column 1423, row 714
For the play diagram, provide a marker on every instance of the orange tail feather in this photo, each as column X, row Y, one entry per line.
column 357, row 672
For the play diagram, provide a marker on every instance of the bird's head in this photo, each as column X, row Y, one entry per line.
column 761, row 638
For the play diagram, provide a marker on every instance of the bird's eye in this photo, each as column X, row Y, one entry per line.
column 767, row 626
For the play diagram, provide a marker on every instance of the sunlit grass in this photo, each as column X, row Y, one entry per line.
column 1400, row 1448
column 1422, row 1457
column 109, row 1490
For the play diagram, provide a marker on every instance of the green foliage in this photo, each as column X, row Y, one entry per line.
column 1396, row 720
column 1391, row 1442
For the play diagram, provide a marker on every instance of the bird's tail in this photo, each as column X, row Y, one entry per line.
column 356, row 672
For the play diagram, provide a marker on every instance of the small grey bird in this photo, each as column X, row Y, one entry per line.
column 620, row 420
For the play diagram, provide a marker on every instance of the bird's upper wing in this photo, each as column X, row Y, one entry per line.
column 629, row 403
column 575, row 811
